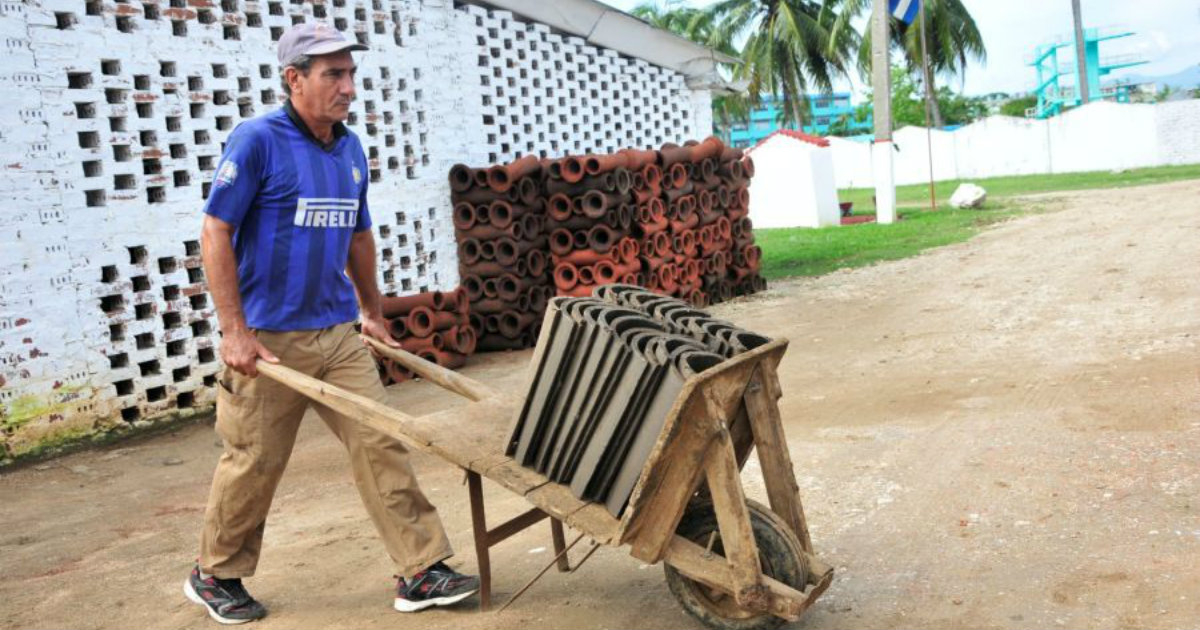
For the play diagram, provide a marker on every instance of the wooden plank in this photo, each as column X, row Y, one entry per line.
column 673, row 470
column 742, row 435
column 515, row 477
column 371, row 413
column 733, row 520
column 778, row 473
column 434, row 373
column 515, row 525
column 713, row 571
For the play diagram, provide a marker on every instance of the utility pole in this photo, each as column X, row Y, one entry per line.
column 881, row 83
column 1080, row 55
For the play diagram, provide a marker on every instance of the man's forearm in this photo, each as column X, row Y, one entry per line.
column 362, row 273
column 220, row 267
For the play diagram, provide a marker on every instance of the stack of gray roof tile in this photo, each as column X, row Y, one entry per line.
column 609, row 373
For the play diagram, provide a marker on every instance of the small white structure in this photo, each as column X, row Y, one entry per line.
column 793, row 185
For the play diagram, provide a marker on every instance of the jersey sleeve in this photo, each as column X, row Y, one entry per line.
column 238, row 176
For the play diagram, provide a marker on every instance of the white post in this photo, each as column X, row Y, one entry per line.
column 881, row 150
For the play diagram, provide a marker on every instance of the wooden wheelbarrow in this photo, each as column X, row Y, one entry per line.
column 731, row 563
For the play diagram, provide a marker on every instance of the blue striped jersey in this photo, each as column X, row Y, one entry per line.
column 295, row 205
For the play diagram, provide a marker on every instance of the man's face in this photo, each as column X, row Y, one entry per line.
column 328, row 90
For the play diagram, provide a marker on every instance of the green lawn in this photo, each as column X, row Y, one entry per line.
column 812, row 252
column 917, row 195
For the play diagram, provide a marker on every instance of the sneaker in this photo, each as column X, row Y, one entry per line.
column 439, row 585
column 225, row 600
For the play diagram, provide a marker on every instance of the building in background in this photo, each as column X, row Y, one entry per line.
column 823, row 111
column 1058, row 73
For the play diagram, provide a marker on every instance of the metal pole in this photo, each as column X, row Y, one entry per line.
column 1080, row 55
column 928, row 105
column 881, row 83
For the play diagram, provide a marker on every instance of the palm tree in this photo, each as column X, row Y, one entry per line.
column 699, row 26
column 788, row 48
column 952, row 37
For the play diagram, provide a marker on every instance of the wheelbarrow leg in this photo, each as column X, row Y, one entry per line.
column 479, row 527
column 560, row 543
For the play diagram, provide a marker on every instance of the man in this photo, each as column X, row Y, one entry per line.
column 287, row 246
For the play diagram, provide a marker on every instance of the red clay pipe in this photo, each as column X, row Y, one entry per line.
column 502, row 177
column 461, row 178
column 748, row 167
column 420, row 321
column 489, row 232
column 472, row 285
column 490, row 289
column 480, row 175
column 596, row 164
column 416, row 345
column 535, row 263
column 605, row 272
column 580, row 290
column 586, row 275
column 566, row 276
column 709, row 149
column 496, row 343
column 593, row 204
column 469, row 251
column 464, row 216
column 488, row 269
column 708, row 170
column 652, row 174
column 561, row 242
column 508, row 287
column 676, row 176
column 559, row 207
column 500, row 213
column 513, row 323
column 489, row 306
column 581, row 257
column 476, row 196
column 399, row 306
column 576, row 223
column 398, row 327
column 487, row 251
column 731, row 154
column 623, row 180
column 601, row 238
column 579, row 239
column 572, row 169
column 464, row 339
column 670, row 155
column 637, row 158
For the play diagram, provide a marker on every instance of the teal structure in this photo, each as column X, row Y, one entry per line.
column 1058, row 61
column 824, row 110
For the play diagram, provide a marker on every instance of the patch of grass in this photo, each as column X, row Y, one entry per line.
column 812, row 252
column 917, row 195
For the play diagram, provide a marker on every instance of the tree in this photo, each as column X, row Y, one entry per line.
column 700, row 26
column 788, row 48
column 1018, row 106
column 908, row 104
column 952, row 37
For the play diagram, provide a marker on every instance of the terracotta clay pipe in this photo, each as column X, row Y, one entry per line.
column 468, row 251
column 637, row 158
column 398, row 306
column 623, row 180
column 488, row 232
column 748, row 166
column 652, row 174
column 448, row 360
column 561, row 242
column 581, row 257
column 601, row 238
column 670, row 155
column 489, row 287
column 566, row 275
column 596, row 164
column 676, row 176
column 593, row 204
column 501, row 178
column 464, row 216
column 558, row 207
column 605, row 272
column 475, row 196
column 572, row 168
column 731, row 154
column 535, row 263
column 398, row 327
column 579, row 238
column 464, row 339
column 586, row 275
column 576, row 223
column 416, row 345
column 710, row 148
column 487, row 250
column 461, row 178
column 472, row 285
column 488, row 306
column 512, row 323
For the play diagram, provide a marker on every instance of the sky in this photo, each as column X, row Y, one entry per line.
column 1167, row 36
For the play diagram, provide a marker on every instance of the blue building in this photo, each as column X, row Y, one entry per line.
column 824, row 110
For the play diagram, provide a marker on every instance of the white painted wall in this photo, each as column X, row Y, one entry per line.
column 792, row 185
column 112, row 120
column 1098, row 137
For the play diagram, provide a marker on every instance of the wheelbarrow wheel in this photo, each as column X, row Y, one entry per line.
column 779, row 553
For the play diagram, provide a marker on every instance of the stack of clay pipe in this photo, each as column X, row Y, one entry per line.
column 433, row 326
column 706, row 196
column 499, row 219
column 591, row 206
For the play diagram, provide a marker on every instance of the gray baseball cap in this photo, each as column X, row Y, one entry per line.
column 312, row 39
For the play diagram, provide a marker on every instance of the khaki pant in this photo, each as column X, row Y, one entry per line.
column 258, row 419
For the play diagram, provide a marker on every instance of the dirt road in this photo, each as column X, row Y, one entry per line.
column 1001, row 433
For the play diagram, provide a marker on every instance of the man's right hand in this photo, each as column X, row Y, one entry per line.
column 242, row 349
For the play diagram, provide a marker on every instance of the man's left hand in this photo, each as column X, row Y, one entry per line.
column 377, row 328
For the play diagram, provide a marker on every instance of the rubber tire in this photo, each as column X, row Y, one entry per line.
column 779, row 553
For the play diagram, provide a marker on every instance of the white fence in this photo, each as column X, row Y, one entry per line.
column 1097, row 137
